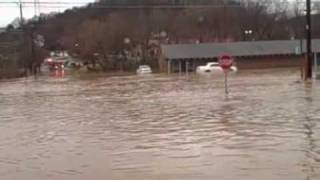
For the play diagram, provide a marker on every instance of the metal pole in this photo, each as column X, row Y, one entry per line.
column 315, row 64
column 33, row 52
column 187, row 67
column 308, row 63
column 169, row 66
column 24, row 34
column 35, row 7
column 21, row 14
column 180, row 67
column 226, row 82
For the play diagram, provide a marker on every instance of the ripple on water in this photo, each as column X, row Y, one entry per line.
column 160, row 127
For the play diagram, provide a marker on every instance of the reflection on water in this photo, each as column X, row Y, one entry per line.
column 160, row 127
column 58, row 73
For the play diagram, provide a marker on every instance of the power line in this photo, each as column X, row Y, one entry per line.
column 55, row 5
column 90, row 2
column 44, row 2
column 101, row 6
column 141, row 7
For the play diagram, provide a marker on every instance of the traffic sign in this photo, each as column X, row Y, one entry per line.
column 225, row 61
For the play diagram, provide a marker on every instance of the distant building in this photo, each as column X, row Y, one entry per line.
column 248, row 54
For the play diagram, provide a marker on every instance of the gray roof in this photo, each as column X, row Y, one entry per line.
column 238, row 49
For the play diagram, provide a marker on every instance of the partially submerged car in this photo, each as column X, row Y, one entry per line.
column 144, row 69
column 213, row 67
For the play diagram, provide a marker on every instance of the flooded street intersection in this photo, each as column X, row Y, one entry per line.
column 161, row 127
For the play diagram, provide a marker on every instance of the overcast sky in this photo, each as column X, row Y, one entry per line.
column 10, row 11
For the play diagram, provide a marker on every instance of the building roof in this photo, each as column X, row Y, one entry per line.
column 238, row 49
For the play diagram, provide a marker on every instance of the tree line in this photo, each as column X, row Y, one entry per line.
column 122, row 38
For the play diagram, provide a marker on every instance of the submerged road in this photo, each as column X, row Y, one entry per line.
column 160, row 127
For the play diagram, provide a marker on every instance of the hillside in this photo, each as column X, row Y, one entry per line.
column 122, row 34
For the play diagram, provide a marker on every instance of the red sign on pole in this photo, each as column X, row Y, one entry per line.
column 225, row 62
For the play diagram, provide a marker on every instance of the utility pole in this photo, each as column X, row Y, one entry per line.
column 33, row 67
column 24, row 34
column 21, row 14
column 308, row 61
column 35, row 7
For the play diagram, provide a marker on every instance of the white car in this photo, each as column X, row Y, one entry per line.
column 144, row 69
column 213, row 67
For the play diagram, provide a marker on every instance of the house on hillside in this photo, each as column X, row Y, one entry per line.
column 248, row 54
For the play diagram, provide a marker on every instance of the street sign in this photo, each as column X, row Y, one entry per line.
column 225, row 61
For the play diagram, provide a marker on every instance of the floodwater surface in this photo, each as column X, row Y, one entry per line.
column 161, row 127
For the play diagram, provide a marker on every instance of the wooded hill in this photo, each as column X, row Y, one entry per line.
column 97, row 32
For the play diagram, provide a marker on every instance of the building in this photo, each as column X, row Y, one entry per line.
column 248, row 54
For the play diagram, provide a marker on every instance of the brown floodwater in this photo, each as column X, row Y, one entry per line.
column 160, row 127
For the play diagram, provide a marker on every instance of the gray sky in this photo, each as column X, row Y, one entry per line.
column 11, row 11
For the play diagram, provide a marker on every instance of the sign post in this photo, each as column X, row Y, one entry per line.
column 225, row 62
column 226, row 82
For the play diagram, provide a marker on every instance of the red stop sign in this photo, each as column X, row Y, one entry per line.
column 225, row 61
